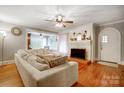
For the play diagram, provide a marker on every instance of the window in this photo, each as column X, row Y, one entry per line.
column 36, row 41
column 63, row 43
column 43, row 41
column 52, row 42
column 104, row 39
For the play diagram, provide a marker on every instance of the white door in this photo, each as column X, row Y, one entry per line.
column 109, row 40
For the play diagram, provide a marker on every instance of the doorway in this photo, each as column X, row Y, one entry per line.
column 109, row 45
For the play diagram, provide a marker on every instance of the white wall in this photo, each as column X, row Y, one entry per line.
column 11, row 43
column 120, row 28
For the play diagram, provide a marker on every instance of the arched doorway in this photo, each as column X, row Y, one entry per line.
column 109, row 44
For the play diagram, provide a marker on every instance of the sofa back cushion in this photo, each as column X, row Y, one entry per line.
column 37, row 62
column 22, row 53
column 38, row 66
column 33, row 60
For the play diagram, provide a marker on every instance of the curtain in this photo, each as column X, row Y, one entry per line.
column 63, row 43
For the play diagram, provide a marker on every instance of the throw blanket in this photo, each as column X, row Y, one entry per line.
column 55, row 61
column 52, row 58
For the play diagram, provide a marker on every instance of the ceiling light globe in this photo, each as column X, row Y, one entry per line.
column 59, row 25
column 59, row 18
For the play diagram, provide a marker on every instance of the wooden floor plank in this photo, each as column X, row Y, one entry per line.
column 97, row 75
column 9, row 76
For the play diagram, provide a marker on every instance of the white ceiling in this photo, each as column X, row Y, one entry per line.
column 34, row 16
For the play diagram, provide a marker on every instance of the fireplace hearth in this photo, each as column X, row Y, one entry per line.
column 78, row 53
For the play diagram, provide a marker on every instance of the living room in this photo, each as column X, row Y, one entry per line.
column 42, row 46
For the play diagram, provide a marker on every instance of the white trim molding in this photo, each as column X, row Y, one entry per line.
column 7, row 62
column 113, row 22
column 121, row 63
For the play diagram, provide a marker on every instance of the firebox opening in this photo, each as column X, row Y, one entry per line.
column 78, row 53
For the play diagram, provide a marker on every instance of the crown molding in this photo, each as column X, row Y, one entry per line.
column 113, row 22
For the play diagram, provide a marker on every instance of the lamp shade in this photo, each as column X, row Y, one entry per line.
column 3, row 33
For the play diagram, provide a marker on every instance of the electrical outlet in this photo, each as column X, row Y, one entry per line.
column 10, row 57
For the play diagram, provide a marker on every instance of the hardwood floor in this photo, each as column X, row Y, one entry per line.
column 97, row 75
column 9, row 76
column 91, row 75
column 81, row 63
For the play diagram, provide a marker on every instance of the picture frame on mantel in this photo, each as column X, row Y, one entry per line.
column 79, row 36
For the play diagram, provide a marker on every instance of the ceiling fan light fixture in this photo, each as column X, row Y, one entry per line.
column 59, row 21
column 59, row 18
column 59, row 25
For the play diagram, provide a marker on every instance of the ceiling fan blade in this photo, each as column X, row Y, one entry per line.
column 50, row 20
column 68, row 22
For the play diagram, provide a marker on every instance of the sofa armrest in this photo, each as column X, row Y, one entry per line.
column 62, row 75
column 27, row 72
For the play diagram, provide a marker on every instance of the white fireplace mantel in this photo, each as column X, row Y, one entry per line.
column 84, row 44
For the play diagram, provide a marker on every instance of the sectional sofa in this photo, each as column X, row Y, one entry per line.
column 41, row 74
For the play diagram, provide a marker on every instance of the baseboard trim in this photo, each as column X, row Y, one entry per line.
column 121, row 63
column 7, row 62
column 109, row 62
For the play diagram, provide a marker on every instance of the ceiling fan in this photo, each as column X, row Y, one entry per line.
column 60, row 22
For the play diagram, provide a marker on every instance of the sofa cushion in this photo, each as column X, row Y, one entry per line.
column 36, row 62
column 44, row 56
column 36, row 58
column 22, row 53
column 52, row 61
column 38, row 66
column 35, row 52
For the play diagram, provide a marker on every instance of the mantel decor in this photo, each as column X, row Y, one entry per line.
column 80, row 36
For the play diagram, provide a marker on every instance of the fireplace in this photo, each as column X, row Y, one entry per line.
column 78, row 53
